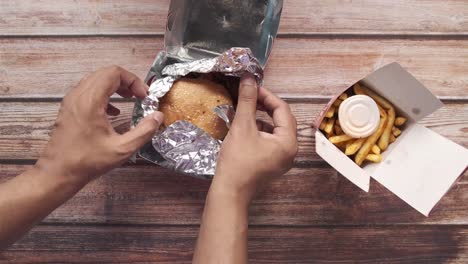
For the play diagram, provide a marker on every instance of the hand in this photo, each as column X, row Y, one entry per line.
column 84, row 145
column 254, row 152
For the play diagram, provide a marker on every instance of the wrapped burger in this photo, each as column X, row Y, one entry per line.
column 194, row 81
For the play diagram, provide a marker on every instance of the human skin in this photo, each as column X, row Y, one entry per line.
column 252, row 154
column 82, row 147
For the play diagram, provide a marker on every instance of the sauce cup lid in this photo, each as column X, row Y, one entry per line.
column 359, row 116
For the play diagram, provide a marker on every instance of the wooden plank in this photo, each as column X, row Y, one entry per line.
column 45, row 67
column 381, row 17
column 67, row 244
column 305, row 196
column 88, row 17
column 25, row 127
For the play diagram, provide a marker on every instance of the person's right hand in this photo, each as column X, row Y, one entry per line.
column 254, row 152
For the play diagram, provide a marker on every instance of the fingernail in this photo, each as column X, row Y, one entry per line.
column 248, row 79
column 146, row 88
column 159, row 117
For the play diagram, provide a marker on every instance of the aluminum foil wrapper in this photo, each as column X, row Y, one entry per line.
column 233, row 62
column 206, row 28
column 188, row 149
column 226, row 113
column 183, row 146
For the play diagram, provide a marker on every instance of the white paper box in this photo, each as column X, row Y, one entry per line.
column 421, row 166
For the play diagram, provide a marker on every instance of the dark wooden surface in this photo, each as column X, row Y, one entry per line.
column 162, row 244
column 140, row 213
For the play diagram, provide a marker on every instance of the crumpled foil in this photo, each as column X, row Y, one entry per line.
column 158, row 89
column 188, row 148
column 182, row 146
column 226, row 113
column 233, row 62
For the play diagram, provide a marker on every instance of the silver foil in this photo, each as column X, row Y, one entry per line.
column 197, row 35
column 233, row 62
column 182, row 146
column 188, row 149
column 199, row 29
column 226, row 113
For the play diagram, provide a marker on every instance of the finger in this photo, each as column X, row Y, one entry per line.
column 131, row 82
column 112, row 110
column 115, row 79
column 125, row 93
column 143, row 132
column 260, row 107
column 85, row 78
column 247, row 102
column 264, row 127
column 283, row 119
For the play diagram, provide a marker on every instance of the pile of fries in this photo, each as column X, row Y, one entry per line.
column 369, row 148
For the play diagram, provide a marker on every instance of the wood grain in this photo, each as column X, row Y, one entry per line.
column 67, row 17
column 25, row 127
column 68, row 244
column 146, row 194
column 142, row 213
column 45, row 67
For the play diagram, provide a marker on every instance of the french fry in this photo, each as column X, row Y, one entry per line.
column 338, row 129
column 364, row 151
column 337, row 103
column 370, row 148
column 353, row 146
column 329, row 126
column 358, row 89
column 384, row 140
column 323, row 124
column 341, row 146
column 396, row 132
column 378, row 99
column 376, row 158
column 376, row 150
column 382, row 111
column 331, row 112
column 339, row 139
column 399, row 121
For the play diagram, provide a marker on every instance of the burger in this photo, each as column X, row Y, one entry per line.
column 194, row 100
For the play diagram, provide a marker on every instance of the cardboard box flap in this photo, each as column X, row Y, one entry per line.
column 421, row 167
column 397, row 85
column 206, row 28
column 340, row 162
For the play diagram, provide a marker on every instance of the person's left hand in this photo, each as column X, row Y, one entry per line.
column 84, row 144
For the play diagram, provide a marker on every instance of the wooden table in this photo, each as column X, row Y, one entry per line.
column 141, row 213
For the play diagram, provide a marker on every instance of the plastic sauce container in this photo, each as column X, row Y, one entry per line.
column 359, row 116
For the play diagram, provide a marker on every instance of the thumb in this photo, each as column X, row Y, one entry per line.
column 143, row 132
column 247, row 104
